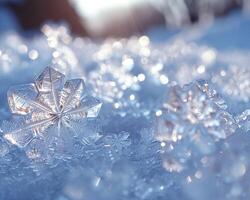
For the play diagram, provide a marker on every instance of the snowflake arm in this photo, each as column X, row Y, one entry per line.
column 22, row 133
column 89, row 108
column 48, row 84
column 71, row 94
column 22, row 99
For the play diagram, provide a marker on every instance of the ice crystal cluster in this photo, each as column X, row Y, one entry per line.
column 122, row 119
column 192, row 120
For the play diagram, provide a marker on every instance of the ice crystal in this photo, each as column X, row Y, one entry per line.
column 46, row 104
column 193, row 119
column 193, row 106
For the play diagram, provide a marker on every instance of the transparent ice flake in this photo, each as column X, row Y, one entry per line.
column 54, row 105
column 71, row 94
column 22, row 99
column 49, row 83
column 21, row 131
column 49, row 80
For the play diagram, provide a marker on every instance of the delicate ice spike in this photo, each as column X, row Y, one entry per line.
column 22, row 99
column 93, row 106
column 49, row 83
column 71, row 95
column 89, row 108
column 22, row 133
column 49, row 79
column 19, row 138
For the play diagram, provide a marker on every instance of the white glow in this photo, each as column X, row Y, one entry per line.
column 158, row 113
column 164, row 79
column 97, row 13
column 93, row 8
column 201, row 69
column 141, row 77
column 132, row 97
column 33, row 54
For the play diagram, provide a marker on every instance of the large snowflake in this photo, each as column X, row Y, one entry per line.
column 49, row 103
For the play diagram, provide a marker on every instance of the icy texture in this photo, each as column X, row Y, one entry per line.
column 160, row 133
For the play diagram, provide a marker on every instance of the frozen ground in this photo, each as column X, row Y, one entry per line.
column 161, row 133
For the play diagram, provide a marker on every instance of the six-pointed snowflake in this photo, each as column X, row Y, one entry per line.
column 50, row 102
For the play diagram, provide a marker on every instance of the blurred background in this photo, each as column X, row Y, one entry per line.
column 121, row 18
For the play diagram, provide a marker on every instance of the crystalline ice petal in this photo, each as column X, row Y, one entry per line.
column 22, row 131
column 71, row 94
column 94, row 110
column 49, row 83
column 22, row 99
column 89, row 108
column 49, row 79
column 19, row 137
column 47, row 99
